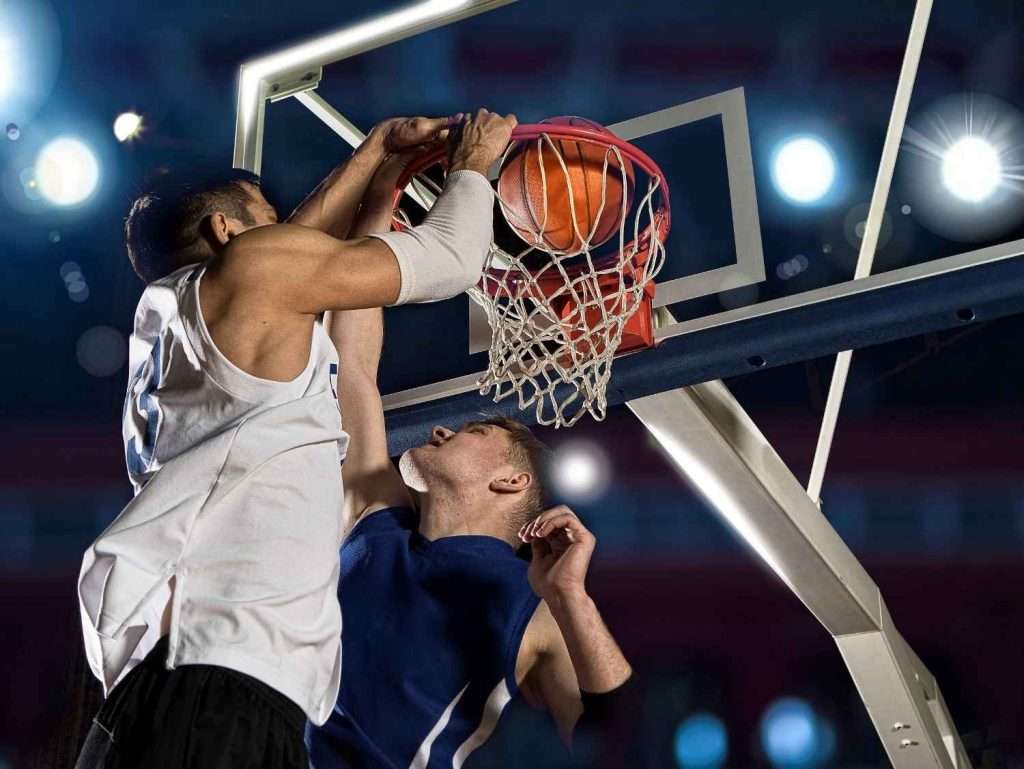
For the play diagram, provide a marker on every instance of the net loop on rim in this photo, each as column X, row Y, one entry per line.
column 559, row 316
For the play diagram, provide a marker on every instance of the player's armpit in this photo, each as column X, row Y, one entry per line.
column 306, row 271
column 550, row 680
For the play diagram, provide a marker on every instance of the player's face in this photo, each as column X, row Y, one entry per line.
column 472, row 455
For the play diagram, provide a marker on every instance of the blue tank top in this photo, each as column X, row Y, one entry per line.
column 430, row 636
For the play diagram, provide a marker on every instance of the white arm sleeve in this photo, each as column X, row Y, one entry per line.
column 445, row 255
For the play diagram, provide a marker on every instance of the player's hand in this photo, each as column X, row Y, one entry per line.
column 481, row 140
column 562, row 547
column 394, row 164
column 402, row 133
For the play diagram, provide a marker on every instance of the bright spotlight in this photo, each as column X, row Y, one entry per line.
column 794, row 736
column 127, row 126
column 67, row 171
column 701, row 742
column 803, row 170
column 580, row 470
column 971, row 169
column 6, row 66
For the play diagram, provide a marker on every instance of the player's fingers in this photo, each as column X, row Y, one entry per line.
column 533, row 525
column 566, row 521
column 430, row 127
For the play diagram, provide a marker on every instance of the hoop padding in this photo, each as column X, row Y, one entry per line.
column 558, row 317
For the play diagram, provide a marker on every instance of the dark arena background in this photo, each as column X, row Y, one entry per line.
column 925, row 484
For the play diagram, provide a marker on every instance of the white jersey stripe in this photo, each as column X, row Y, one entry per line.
column 422, row 756
column 495, row 704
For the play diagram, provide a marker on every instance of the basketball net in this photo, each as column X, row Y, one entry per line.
column 557, row 318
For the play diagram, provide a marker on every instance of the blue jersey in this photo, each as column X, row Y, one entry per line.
column 431, row 633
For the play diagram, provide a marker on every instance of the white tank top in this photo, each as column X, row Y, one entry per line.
column 230, row 545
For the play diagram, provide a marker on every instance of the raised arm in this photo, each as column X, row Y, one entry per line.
column 370, row 479
column 332, row 206
column 302, row 270
column 567, row 632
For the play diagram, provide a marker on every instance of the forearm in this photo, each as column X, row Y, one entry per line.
column 333, row 205
column 444, row 256
column 599, row 663
column 358, row 335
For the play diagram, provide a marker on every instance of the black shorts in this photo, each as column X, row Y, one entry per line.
column 194, row 717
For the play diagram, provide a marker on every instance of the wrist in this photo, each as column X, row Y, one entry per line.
column 470, row 163
column 568, row 598
column 371, row 148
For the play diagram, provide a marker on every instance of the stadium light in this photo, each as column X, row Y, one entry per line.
column 67, row 171
column 971, row 169
column 6, row 66
column 580, row 471
column 803, row 170
column 127, row 126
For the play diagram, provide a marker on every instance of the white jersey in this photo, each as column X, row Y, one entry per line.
column 230, row 545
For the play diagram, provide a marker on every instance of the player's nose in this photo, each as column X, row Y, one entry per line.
column 440, row 434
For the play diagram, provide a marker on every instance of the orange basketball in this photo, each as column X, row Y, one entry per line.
column 523, row 189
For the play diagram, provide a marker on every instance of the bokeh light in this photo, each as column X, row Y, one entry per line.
column 792, row 267
column 580, row 471
column 13, row 132
column 971, row 169
column 701, row 742
column 804, row 170
column 67, row 172
column 101, row 351
column 127, row 126
column 794, row 736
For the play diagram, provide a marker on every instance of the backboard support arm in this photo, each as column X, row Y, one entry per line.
column 714, row 443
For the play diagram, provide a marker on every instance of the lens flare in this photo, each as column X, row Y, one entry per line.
column 971, row 169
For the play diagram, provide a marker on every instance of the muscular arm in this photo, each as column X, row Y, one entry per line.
column 370, row 479
column 575, row 635
column 332, row 205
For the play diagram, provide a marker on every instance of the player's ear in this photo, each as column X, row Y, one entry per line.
column 219, row 227
column 511, row 483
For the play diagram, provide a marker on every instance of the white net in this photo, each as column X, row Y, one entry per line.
column 557, row 316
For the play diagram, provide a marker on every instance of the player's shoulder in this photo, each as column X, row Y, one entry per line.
column 384, row 519
column 261, row 247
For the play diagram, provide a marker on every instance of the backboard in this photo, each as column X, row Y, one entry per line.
column 753, row 279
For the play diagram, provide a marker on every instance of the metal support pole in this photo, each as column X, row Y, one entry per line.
column 872, row 229
column 716, row 445
column 299, row 67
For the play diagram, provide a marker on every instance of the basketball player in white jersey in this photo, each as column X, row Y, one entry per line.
column 455, row 624
column 209, row 605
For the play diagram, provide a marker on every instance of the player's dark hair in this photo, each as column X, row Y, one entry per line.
column 164, row 228
column 526, row 452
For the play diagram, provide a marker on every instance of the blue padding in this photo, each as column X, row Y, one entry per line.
column 989, row 291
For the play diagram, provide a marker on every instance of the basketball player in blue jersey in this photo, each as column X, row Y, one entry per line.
column 442, row 624
column 209, row 605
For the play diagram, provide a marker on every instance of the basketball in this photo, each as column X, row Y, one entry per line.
column 540, row 198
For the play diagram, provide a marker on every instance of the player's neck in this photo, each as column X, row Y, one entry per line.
column 450, row 515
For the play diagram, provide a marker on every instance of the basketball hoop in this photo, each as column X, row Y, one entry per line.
column 559, row 305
